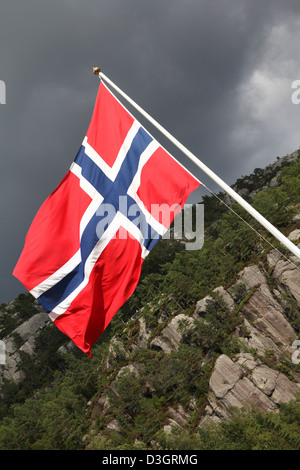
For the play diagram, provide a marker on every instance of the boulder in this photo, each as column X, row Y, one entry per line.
column 247, row 396
column 264, row 311
column 203, row 304
column 252, row 338
column 251, row 276
column 289, row 277
column 265, row 379
column 245, row 383
column 224, row 377
column 285, row 271
column 225, row 296
column 30, row 328
column 171, row 336
column 294, row 236
column 27, row 332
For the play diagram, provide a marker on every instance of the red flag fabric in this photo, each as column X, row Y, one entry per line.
column 84, row 251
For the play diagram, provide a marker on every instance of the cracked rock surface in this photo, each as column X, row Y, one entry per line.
column 244, row 382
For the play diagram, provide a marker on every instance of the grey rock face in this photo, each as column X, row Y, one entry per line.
column 27, row 331
column 170, row 337
column 245, row 383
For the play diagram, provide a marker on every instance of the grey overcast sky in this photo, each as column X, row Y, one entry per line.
column 216, row 73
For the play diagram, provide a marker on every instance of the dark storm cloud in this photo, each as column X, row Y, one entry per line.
column 216, row 73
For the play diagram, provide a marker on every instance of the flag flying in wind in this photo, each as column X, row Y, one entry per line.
column 84, row 251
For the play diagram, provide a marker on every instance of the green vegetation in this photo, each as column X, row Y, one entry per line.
column 252, row 431
column 59, row 403
column 22, row 308
column 52, row 418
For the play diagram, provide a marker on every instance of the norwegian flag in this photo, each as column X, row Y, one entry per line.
column 84, row 251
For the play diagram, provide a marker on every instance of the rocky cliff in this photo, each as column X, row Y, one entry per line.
column 260, row 376
column 261, row 307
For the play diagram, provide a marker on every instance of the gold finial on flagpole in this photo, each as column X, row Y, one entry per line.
column 96, row 70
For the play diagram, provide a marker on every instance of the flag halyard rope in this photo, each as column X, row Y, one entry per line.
column 251, row 227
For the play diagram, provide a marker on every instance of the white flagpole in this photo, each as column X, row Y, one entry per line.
column 265, row 223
